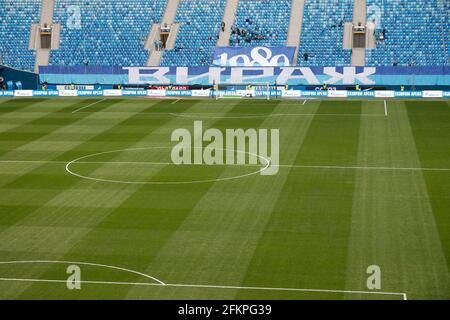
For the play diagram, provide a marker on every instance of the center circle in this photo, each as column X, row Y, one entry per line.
column 90, row 160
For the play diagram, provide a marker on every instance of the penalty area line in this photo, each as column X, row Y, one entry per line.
column 204, row 286
column 385, row 108
column 216, row 115
column 90, row 105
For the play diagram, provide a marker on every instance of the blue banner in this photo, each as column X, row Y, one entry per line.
column 303, row 76
column 6, row 93
column 254, row 56
column 299, row 94
column 46, row 93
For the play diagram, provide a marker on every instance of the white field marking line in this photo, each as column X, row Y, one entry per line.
column 175, row 102
column 85, row 264
column 205, row 115
column 304, row 102
column 364, row 168
column 403, row 295
column 385, row 108
column 92, row 104
column 163, row 182
column 193, row 164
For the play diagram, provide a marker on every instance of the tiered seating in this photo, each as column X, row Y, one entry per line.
column 111, row 32
column 416, row 33
column 447, row 27
column 264, row 22
column 200, row 24
column 16, row 19
column 323, row 33
column 101, row 32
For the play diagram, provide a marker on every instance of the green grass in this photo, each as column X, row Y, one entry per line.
column 334, row 209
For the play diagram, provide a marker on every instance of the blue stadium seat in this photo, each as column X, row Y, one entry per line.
column 10, row 85
column 200, row 21
column 16, row 20
column 323, row 33
column 266, row 23
column 108, row 32
column 417, row 33
column 104, row 32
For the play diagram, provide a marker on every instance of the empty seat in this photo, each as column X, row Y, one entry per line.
column 266, row 23
column 105, row 32
column 201, row 22
column 417, row 32
column 323, row 33
column 16, row 20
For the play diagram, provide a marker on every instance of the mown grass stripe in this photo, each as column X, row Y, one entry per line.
column 100, row 212
column 212, row 229
column 20, row 136
column 59, row 180
column 147, row 199
column 131, row 207
column 211, row 240
column 396, row 233
column 305, row 240
column 49, row 197
column 19, row 104
column 432, row 140
column 371, row 224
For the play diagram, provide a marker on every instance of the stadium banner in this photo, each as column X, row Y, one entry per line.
column 291, row 93
column 23, row 93
column 90, row 93
column 361, row 94
column 384, row 94
column 112, row 93
column 254, row 56
column 316, row 93
column 432, row 94
column 134, row 93
column 77, row 87
column 6, row 93
column 408, row 94
column 201, row 93
column 46, row 93
column 68, row 93
column 337, row 94
column 156, row 93
column 178, row 93
column 308, row 76
column 237, row 93
column 29, row 80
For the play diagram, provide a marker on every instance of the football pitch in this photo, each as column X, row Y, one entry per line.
column 88, row 182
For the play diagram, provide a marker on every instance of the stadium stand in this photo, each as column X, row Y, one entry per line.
column 200, row 24
column 100, row 32
column 261, row 23
column 109, row 33
column 16, row 20
column 416, row 33
column 447, row 42
column 323, row 33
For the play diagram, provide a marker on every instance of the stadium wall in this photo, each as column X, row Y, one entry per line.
column 29, row 80
column 288, row 94
column 307, row 76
